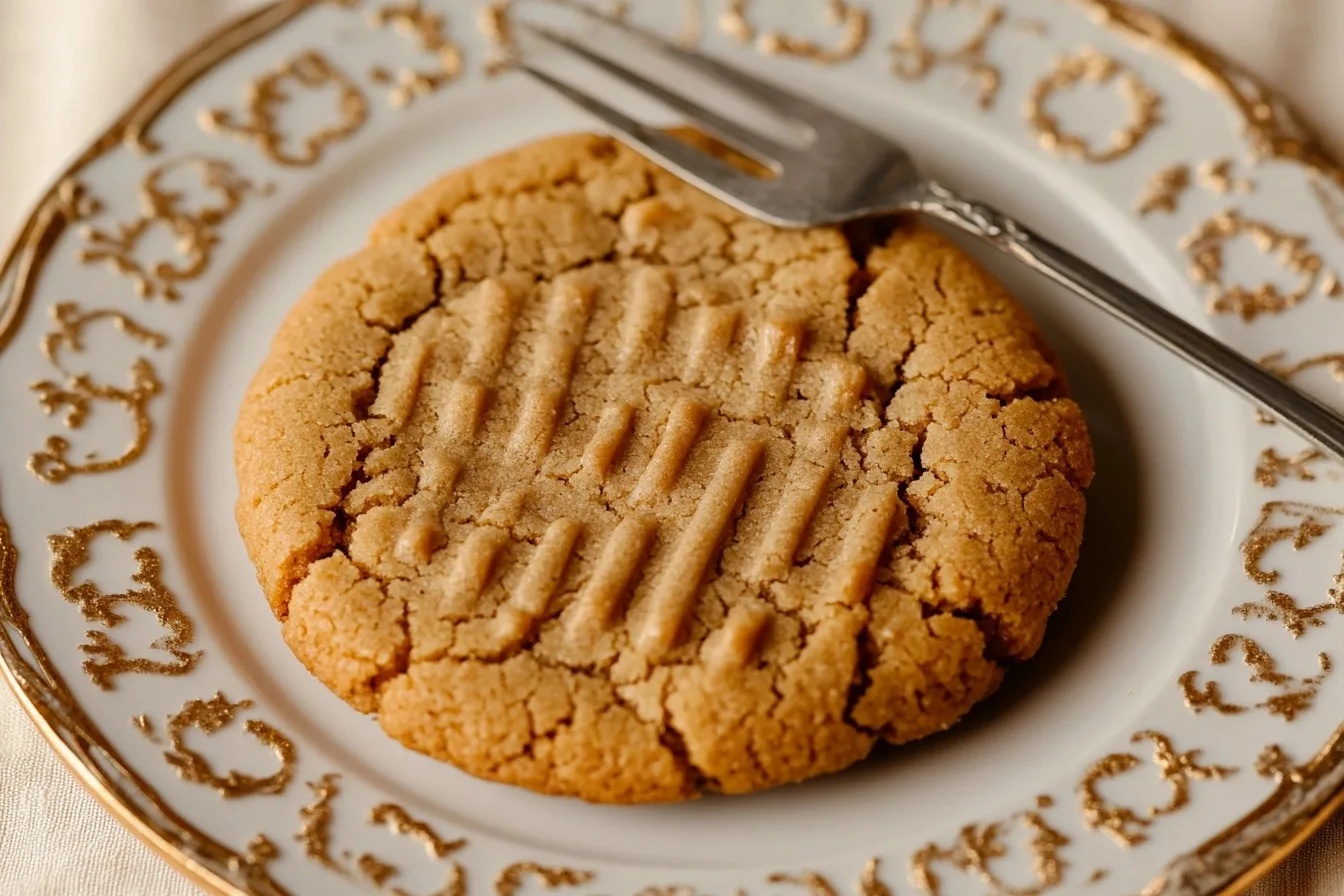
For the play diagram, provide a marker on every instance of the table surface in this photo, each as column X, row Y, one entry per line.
column 65, row 63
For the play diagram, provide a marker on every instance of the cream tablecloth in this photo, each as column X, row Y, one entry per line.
column 65, row 65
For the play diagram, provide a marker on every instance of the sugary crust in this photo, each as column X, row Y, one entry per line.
column 584, row 482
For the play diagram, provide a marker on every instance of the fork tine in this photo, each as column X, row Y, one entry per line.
column 782, row 102
column 742, row 191
column 731, row 132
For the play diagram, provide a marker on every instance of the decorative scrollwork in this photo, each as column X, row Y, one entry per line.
column 815, row 884
column 399, row 822
column 1163, row 192
column 850, row 17
column 1206, row 245
column 913, row 58
column 264, row 97
column 1277, row 364
column 315, row 828
column 1089, row 66
column 1280, row 521
column 1273, row 466
column 428, row 31
column 254, row 864
column 1215, row 175
column 1126, row 825
column 75, row 202
column 76, row 393
column 979, row 845
column 210, row 716
column 315, row 836
column 1280, row 607
column 194, row 231
column 511, row 878
column 1292, row 695
column 106, row 658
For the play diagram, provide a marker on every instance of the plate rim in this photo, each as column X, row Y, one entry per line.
column 45, row 697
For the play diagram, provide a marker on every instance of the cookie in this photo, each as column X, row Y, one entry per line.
column 584, row 482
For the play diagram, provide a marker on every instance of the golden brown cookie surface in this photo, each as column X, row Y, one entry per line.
column 584, row 482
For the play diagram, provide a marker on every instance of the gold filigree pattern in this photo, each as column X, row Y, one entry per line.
column 1205, row 247
column 1273, row 127
column 1283, row 521
column 106, row 658
column 76, row 393
column 1164, row 191
column 733, row 22
column 850, row 17
column 456, row 885
column 1293, row 695
column 69, row 333
column 1090, row 66
column 1124, row 824
column 1336, row 590
column 75, row 202
column 399, row 822
column 427, row 30
column 870, row 884
column 375, row 870
column 44, row 693
column 1273, row 763
column 1331, row 285
column 253, row 865
column 267, row 94
column 815, row 884
column 315, row 828
column 510, row 879
column 315, row 836
column 145, row 725
column 913, row 59
column 1272, row 466
column 214, row 714
column 1276, row 363
column 494, row 22
column 977, row 848
column 1215, row 175
column 1280, row 607
column 64, row 203
column 194, row 231
column 379, row 873
column 1300, row 792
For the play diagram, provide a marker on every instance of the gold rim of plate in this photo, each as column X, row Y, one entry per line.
column 1244, row 852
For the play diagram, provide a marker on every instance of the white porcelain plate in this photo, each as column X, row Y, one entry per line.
column 1178, row 729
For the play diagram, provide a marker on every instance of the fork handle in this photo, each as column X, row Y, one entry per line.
column 1301, row 412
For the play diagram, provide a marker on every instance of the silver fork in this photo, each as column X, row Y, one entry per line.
column 848, row 171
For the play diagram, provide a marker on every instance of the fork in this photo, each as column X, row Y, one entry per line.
column 848, row 171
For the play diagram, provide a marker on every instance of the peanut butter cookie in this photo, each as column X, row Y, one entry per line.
column 582, row 481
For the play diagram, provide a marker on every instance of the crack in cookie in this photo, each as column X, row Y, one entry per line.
column 584, row 482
